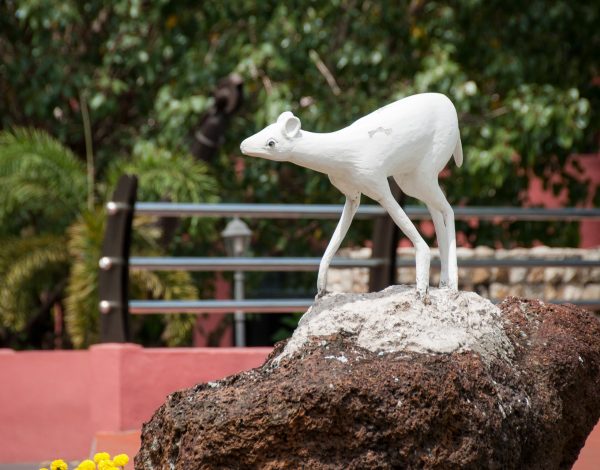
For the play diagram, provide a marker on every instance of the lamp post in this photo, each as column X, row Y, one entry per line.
column 237, row 237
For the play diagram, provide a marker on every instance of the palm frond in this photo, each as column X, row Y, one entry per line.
column 81, row 299
column 167, row 285
column 172, row 176
column 40, row 179
column 165, row 174
column 28, row 267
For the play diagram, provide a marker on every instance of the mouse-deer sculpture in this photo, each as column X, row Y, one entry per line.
column 411, row 140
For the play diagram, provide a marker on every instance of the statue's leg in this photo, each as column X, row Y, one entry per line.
column 350, row 208
column 427, row 189
column 442, row 239
column 413, row 186
column 438, row 202
column 390, row 204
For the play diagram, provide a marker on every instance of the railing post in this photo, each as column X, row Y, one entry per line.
column 386, row 236
column 113, row 281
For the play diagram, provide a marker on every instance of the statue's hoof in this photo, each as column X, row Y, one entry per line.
column 423, row 296
column 321, row 293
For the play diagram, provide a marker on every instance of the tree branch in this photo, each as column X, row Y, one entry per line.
column 314, row 56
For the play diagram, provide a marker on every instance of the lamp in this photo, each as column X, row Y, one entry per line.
column 237, row 238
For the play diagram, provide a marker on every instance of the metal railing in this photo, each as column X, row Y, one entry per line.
column 312, row 264
column 333, row 211
column 115, row 262
column 260, row 306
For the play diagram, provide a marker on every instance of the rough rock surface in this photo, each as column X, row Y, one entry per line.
column 395, row 320
column 527, row 400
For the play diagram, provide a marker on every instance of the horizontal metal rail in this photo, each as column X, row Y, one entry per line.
column 527, row 213
column 324, row 211
column 312, row 264
column 219, row 306
column 268, row 211
column 333, row 211
column 263, row 306
column 247, row 264
column 517, row 263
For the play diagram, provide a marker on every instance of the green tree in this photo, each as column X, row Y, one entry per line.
column 51, row 241
column 522, row 75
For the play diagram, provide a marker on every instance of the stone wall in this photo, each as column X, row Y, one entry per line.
column 547, row 283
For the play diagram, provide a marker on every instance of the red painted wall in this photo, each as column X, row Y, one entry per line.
column 52, row 403
column 538, row 196
column 44, row 407
column 208, row 324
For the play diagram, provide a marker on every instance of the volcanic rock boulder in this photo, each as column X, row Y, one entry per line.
column 388, row 381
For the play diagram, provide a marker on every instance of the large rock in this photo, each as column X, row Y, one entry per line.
column 387, row 381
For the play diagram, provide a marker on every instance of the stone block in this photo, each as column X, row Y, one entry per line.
column 572, row 292
column 406, row 275
column 553, row 275
column 591, row 292
column 517, row 290
column 531, row 291
column 500, row 274
column 517, row 275
column 536, row 275
column 554, row 292
column 594, row 275
column 499, row 291
column 480, row 275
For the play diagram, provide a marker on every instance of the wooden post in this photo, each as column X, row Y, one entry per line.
column 386, row 236
column 113, row 281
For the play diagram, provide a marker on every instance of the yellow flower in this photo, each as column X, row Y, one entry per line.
column 87, row 465
column 44, row 468
column 106, row 465
column 59, row 464
column 100, row 456
column 121, row 460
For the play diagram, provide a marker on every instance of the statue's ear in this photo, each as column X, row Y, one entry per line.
column 290, row 124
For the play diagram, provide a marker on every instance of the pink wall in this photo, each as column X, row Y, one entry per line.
column 537, row 195
column 44, row 408
column 209, row 324
column 52, row 403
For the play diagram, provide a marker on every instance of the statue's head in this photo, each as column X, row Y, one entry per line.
column 276, row 141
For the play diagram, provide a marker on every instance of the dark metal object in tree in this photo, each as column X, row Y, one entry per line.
column 386, row 236
column 114, row 265
column 208, row 135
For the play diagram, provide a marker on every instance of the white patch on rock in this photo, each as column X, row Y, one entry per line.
column 340, row 358
column 396, row 320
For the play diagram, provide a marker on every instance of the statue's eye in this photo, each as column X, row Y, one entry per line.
column 271, row 143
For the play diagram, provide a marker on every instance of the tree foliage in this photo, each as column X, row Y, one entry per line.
column 523, row 75
column 42, row 182
column 51, row 242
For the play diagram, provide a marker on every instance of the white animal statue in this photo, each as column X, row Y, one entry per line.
column 411, row 140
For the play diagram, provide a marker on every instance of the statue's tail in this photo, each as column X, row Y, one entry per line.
column 458, row 154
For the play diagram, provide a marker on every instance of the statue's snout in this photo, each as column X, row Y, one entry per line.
column 244, row 147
